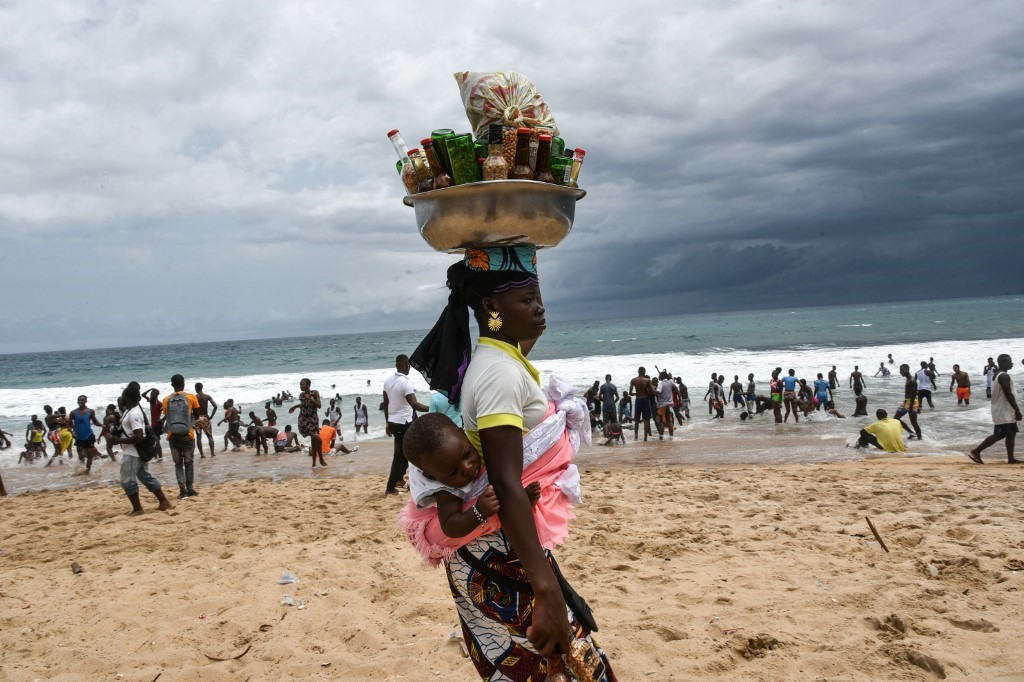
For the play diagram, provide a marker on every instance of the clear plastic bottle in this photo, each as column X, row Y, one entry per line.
column 495, row 167
column 574, row 169
column 522, row 170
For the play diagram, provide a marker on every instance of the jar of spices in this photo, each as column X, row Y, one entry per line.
column 509, row 137
column 535, row 134
column 495, row 167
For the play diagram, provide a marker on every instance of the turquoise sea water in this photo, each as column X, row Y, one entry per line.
column 811, row 340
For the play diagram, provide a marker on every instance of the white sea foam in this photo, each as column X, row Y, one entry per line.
column 947, row 427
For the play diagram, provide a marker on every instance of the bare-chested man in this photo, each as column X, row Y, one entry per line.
column 833, row 378
column 204, row 424
column 641, row 387
column 857, row 380
column 962, row 381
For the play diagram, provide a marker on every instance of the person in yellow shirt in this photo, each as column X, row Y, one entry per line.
column 885, row 434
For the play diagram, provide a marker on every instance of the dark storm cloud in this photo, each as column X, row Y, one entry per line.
column 739, row 155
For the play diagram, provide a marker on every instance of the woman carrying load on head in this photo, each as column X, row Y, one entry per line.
column 510, row 631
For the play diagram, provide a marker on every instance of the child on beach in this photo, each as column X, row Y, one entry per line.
column 447, row 465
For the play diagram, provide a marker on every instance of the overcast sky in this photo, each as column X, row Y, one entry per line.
column 195, row 171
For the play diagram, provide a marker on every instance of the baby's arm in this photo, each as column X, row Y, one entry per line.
column 454, row 522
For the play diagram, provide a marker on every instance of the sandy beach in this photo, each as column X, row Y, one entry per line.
column 694, row 572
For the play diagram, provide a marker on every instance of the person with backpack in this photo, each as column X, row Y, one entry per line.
column 83, row 419
column 133, row 468
column 180, row 413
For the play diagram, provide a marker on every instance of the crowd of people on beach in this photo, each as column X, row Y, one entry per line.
column 662, row 401
column 665, row 401
column 73, row 434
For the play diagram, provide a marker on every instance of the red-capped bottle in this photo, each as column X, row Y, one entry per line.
column 522, row 170
column 543, row 173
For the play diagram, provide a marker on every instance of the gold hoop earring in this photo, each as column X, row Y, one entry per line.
column 494, row 324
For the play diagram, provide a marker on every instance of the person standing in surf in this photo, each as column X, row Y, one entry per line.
column 1005, row 414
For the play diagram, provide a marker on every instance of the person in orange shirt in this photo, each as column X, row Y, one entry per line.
column 181, row 410
column 327, row 435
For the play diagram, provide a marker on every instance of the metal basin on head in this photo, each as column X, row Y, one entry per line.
column 495, row 212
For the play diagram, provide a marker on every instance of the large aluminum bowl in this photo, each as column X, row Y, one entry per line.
column 493, row 212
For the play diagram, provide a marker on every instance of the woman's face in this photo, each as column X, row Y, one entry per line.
column 522, row 313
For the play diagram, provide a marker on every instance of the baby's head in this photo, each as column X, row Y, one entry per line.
column 441, row 450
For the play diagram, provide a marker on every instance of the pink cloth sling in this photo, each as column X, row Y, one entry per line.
column 551, row 514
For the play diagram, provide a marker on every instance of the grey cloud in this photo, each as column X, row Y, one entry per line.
column 242, row 148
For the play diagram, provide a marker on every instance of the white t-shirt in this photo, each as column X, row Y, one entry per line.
column 398, row 386
column 1002, row 413
column 132, row 420
column 498, row 390
column 665, row 393
column 924, row 382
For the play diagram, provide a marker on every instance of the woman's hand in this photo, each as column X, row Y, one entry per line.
column 549, row 633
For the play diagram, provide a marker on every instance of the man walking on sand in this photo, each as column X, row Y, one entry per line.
column 181, row 410
column 133, row 469
column 1005, row 413
column 400, row 407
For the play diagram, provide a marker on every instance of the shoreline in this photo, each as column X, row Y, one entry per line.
column 764, row 571
column 791, row 443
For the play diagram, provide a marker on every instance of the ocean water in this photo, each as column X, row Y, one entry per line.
column 810, row 340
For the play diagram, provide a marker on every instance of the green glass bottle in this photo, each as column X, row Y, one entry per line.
column 462, row 156
column 440, row 136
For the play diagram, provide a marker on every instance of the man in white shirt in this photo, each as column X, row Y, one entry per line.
column 133, row 469
column 925, row 384
column 1005, row 413
column 400, row 407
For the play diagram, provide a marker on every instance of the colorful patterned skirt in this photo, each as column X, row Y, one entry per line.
column 494, row 616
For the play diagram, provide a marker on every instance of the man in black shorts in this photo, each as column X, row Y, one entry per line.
column 83, row 419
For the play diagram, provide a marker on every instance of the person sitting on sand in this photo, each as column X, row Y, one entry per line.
column 331, row 442
column 287, row 440
column 885, row 434
column 443, row 467
column 613, row 432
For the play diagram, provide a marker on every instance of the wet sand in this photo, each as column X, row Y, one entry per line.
column 694, row 572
